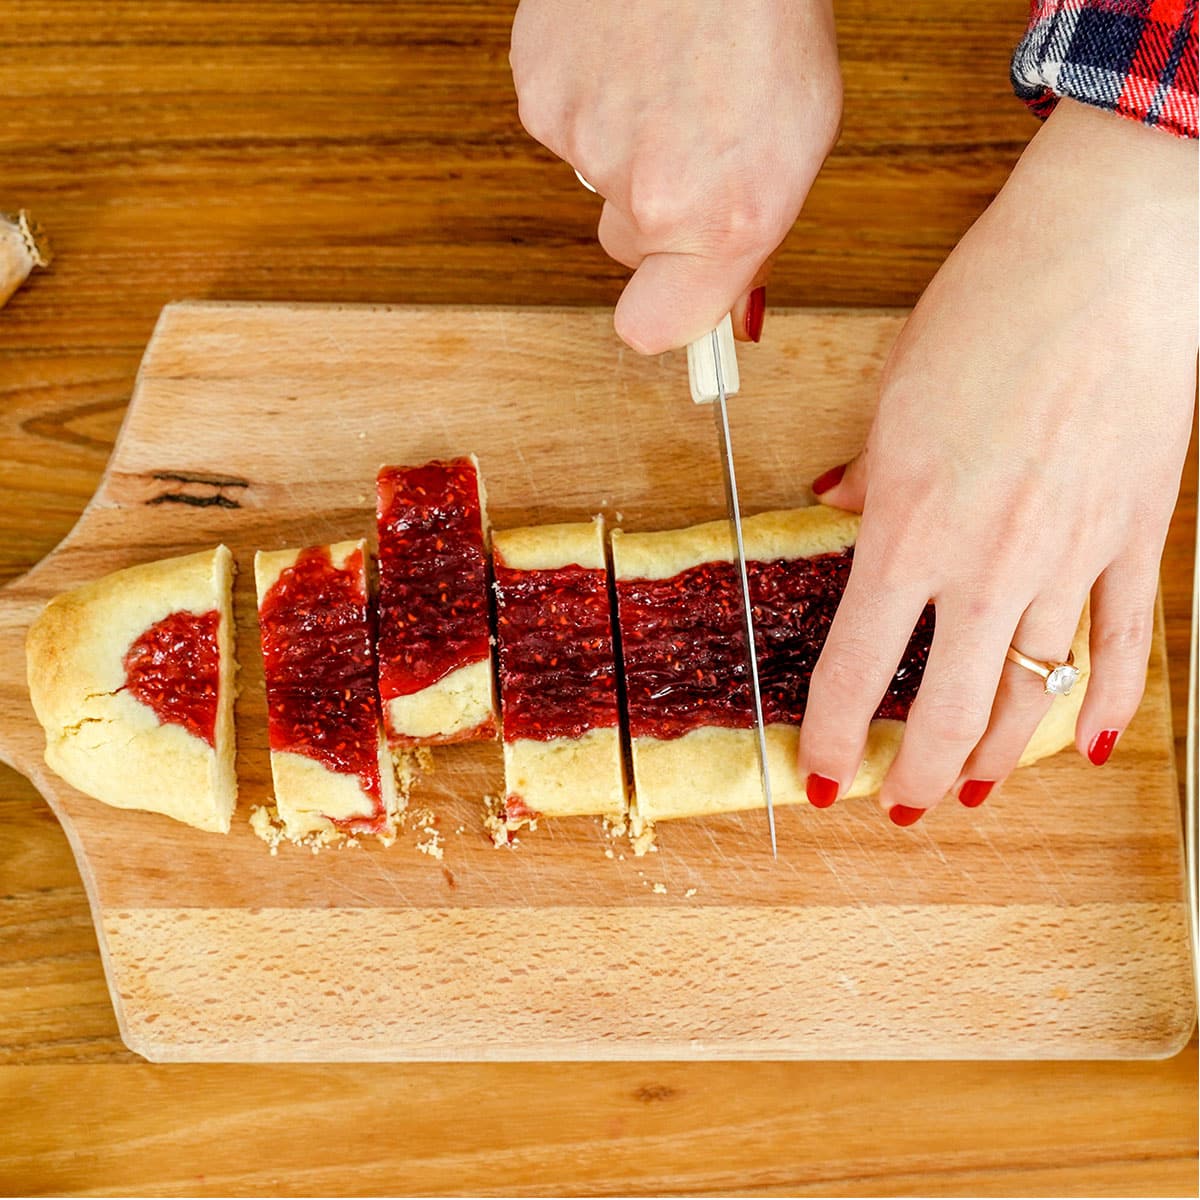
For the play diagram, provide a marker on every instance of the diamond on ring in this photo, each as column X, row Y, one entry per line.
column 1061, row 680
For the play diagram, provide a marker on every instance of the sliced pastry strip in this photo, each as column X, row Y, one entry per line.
column 332, row 771
column 558, row 678
column 435, row 673
column 132, row 679
column 686, row 678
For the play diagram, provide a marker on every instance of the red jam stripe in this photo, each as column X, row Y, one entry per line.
column 320, row 671
column 433, row 608
column 557, row 665
column 175, row 668
column 683, row 648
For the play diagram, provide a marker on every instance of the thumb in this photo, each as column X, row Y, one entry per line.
column 673, row 299
column 844, row 486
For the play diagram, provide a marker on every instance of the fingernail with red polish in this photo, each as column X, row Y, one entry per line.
column 821, row 792
column 756, row 310
column 830, row 479
column 975, row 791
column 1102, row 746
column 901, row 814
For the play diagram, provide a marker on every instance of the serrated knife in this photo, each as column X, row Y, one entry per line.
column 713, row 376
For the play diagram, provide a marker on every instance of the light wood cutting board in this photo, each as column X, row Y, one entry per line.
column 1050, row 922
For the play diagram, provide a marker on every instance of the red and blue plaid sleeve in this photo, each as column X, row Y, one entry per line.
column 1132, row 57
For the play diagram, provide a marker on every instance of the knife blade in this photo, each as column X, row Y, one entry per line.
column 713, row 376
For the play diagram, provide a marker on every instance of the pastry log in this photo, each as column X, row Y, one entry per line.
column 689, row 711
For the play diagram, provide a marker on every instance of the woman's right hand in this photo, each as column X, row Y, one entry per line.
column 701, row 125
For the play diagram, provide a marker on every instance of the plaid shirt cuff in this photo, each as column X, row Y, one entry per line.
column 1132, row 57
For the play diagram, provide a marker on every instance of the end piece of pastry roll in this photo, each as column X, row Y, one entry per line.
column 332, row 770
column 558, row 678
column 435, row 672
column 132, row 679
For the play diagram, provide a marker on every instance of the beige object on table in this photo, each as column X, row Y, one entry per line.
column 101, row 739
column 1051, row 921
column 21, row 249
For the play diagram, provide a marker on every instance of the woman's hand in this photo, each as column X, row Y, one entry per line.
column 1032, row 426
column 701, row 125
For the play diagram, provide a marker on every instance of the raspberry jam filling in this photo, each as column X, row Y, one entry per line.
column 683, row 645
column 320, row 671
column 175, row 668
column 557, row 667
column 433, row 614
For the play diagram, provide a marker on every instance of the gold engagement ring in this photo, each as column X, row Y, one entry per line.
column 1059, row 677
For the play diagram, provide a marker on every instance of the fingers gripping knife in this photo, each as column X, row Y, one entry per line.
column 713, row 375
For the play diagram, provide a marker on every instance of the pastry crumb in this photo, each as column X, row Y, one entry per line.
column 263, row 823
column 409, row 766
column 659, row 889
column 608, row 852
column 495, row 823
column 431, row 844
column 267, row 827
column 689, row 893
column 500, row 822
column 614, row 827
column 642, row 839
column 423, row 822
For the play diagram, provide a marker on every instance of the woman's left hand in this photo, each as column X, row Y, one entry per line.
column 1032, row 425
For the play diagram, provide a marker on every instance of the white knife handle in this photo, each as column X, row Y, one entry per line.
column 702, row 364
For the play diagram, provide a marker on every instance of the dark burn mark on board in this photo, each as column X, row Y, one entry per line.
column 198, row 491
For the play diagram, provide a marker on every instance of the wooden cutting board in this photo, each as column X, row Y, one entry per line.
column 1050, row 922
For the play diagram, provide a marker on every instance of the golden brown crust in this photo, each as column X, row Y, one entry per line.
column 98, row 737
column 547, row 547
column 270, row 564
column 783, row 533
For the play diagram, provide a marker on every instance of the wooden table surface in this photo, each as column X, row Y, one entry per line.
column 317, row 150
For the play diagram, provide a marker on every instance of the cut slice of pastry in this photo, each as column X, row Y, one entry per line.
column 558, row 678
column 132, row 679
column 686, row 677
column 332, row 770
column 435, row 672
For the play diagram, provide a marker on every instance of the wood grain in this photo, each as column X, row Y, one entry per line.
column 1013, row 932
column 765, row 1129
column 181, row 153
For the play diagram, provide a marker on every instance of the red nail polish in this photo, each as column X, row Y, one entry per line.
column 830, row 479
column 756, row 310
column 975, row 791
column 901, row 814
column 1102, row 746
column 822, row 792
